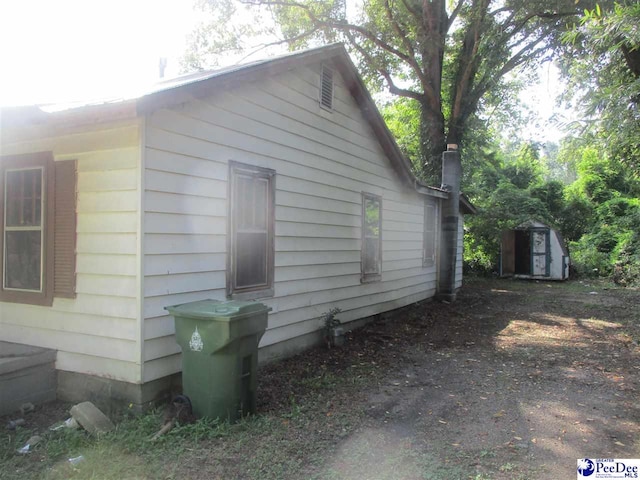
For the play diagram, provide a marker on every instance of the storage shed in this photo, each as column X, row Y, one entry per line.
column 534, row 250
column 274, row 181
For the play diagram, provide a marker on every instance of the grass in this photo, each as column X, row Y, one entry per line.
column 127, row 452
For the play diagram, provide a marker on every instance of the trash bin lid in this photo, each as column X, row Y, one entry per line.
column 215, row 309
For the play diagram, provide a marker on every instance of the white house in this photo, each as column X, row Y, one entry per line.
column 534, row 250
column 276, row 181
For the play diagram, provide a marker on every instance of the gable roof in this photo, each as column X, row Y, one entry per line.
column 172, row 92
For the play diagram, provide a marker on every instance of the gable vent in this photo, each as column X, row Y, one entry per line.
column 326, row 88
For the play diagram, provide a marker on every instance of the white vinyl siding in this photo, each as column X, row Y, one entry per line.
column 324, row 161
column 98, row 332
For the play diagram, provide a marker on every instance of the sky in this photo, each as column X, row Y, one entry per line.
column 68, row 50
column 541, row 99
column 61, row 51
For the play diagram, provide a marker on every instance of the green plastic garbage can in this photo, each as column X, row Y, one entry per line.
column 219, row 343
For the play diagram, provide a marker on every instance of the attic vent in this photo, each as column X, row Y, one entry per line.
column 326, row 88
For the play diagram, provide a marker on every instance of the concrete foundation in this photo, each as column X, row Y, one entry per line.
column 27, row 374
column 112, row 395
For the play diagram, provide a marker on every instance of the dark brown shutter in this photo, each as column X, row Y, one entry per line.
column 64, row 283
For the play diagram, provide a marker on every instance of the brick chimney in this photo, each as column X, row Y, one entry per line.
column 451, row 176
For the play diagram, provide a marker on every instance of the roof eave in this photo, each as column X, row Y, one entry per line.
column 466, row 207
column 203, row 87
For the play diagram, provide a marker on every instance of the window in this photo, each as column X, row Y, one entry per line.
column 37, row 261
column 430, row 233
column 326, row 87
column 371, row 263
column 251, row 231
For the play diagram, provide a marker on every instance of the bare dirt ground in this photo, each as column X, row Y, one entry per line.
column 515, row 380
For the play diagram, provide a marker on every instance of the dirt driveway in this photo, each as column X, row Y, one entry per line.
column 515, row 380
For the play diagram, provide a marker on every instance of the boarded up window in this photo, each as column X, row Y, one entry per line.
column 326, row 87
column 430, row 233
column 37, row 228
column 371, row 263
column 251, row 228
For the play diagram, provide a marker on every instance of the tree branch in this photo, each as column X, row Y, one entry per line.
column 632, row 59
column 393, row 88
column 454, row 14
column 412, row 11
column 342, row 26
column 411, row 57
column 262, row 46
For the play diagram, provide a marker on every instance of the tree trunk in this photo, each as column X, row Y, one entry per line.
column 432, row 142
column 632, row 58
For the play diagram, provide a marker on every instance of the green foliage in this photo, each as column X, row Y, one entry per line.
column 329, row 319
column 526, row 169
column 505, row 208
column 602, row 64
column 577, row 215
column 402, row 116
column 599, row 213
column 330, row 322
column 605, row 196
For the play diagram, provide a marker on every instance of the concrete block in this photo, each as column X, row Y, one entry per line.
column 91, row 418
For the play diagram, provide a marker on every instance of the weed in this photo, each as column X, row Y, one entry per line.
column 296, row 409
column 481, row 476
column 330, row 323
column 507, row 467
column 323, row 381
column 487, row 454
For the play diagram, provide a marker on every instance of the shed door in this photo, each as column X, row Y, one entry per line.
column 540, row 252
column 507, row 257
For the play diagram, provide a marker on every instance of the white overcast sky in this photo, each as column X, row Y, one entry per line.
column 66, row 50
column 58, row 51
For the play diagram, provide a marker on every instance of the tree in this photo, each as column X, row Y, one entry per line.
column 443, row 56
column 603, row 67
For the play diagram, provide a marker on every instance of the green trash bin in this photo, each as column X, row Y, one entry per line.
column 219, row 343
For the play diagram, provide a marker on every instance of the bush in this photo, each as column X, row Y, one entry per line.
column 626, row 270
column 588, row 260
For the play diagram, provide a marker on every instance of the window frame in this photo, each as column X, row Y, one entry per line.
column 367, row 277
column 430, row 261
column 262, row 290
column 44, row 161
